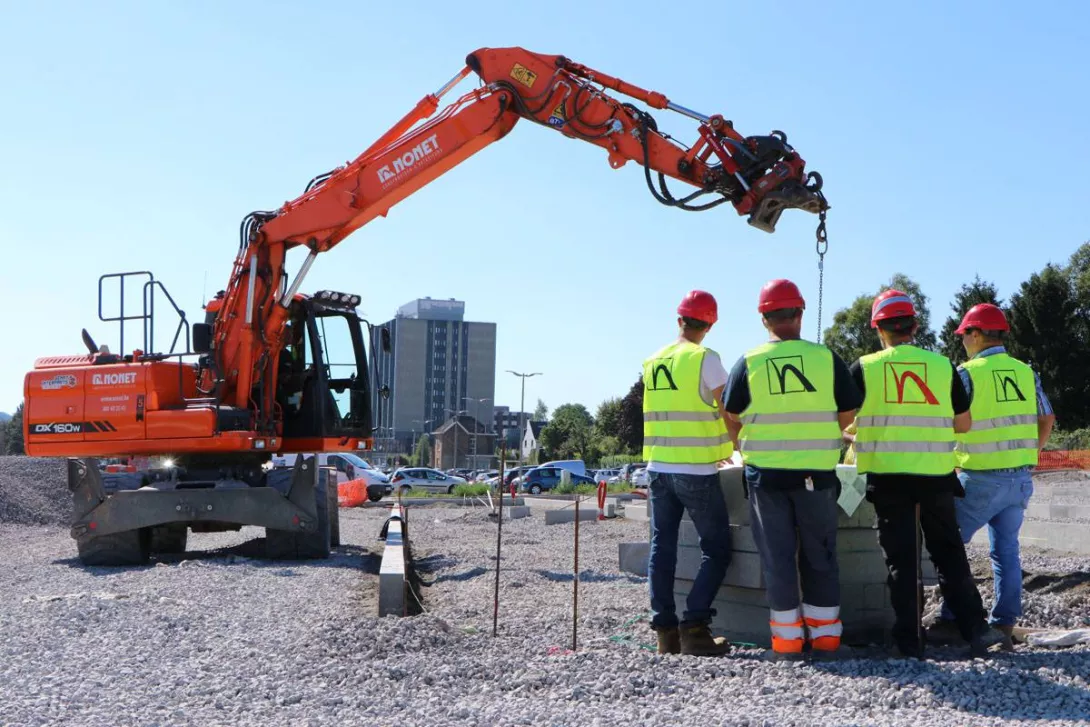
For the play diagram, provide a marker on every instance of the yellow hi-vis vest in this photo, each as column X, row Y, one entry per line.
column 791, row 422
column 679, row 426
column 1004, row 409
column 906, row 423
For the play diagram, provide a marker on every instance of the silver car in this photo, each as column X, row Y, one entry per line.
column 406, row 479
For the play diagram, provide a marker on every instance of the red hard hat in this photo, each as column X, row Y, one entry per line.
column 890, row 304
column 985, row 316
column 779, row 294
column 700, row 305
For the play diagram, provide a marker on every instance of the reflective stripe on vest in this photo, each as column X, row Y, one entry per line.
column 791, row 421
column 1004, row 409
column 679, row 426
column 905, row 425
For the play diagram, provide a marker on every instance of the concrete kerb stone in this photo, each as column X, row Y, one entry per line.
column 633, row 557
column 515, row 512
column 392, row 585
column 586, row 514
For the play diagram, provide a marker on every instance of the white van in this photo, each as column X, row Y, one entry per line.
column 349, row 467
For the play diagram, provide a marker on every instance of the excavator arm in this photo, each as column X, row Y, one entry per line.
column 761, row 176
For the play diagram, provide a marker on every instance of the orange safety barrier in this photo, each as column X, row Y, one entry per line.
column 352, row 493
column 1072, row 459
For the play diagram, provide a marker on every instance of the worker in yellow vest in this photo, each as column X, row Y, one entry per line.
column 685, row 436
column 793, row 398
column 1012, row 420
column 914, row 404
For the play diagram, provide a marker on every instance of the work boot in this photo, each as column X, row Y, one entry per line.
column 697, row 640
column 1008, row 633
column 943, row 633
column 985, row 639
column 669, row 640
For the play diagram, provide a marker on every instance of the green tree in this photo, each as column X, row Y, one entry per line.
column 630, row 428
column 541, row 412
column 850, row 334
column 1078, row 270
column 607, row 422
column 569, row 434
column 13, row 441
column 974, row 293
column 1045, row 333
column 421, row 456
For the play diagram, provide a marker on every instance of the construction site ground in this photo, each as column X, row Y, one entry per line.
column 219, row 636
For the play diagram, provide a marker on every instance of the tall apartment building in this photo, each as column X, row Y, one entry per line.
column 437, row 361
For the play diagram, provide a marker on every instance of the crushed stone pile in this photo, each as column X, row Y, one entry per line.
column 34, row 491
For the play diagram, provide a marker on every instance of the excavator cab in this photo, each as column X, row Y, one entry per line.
column 323, row 387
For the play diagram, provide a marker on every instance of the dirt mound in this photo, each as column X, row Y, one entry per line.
column 34, row 491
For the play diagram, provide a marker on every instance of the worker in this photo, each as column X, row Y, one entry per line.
column 793, row 399
column 997, row 457
column 913, row 405
column 685, row 436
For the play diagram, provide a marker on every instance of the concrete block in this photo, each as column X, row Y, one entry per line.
column 875, row 596
column 586, row 514
column 515, row 512
column 633, row 557
column 391, row 587
column 862, row 568
column 637, row 511
column 1067, row 537
column 1068, row 512
column 741, row 537
column 744, row 569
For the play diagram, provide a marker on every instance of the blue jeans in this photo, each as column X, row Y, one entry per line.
column 998, row 500
column 672, row 495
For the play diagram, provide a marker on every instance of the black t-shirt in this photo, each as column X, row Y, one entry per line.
column 877, row 482
column 737, row 399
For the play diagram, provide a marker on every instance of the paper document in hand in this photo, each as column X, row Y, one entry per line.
column 853, row 489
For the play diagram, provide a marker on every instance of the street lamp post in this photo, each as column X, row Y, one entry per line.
column 425, row 422
column 522, row 407
column 477, row 420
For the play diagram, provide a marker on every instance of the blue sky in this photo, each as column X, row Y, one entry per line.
column 136, row 136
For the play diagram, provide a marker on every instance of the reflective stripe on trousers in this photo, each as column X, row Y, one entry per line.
column 787, row 633
column 1004, row 446
column 824, row 625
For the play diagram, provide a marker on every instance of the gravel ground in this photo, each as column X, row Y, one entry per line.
column 215, row 637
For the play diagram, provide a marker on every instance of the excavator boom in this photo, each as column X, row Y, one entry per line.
column 760, row 176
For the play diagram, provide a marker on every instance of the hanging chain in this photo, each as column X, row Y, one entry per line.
column 822, row 247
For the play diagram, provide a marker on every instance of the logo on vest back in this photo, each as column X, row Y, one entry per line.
column 1006, row 388
column 661, row 379
column 786, row 375
column 906, row 383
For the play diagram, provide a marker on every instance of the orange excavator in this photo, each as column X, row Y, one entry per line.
column 257, row 376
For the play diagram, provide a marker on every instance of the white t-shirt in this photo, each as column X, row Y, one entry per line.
column 712, row 376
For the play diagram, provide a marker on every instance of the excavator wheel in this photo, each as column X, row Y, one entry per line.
column 131, row 547
column 287, row 545
column 169, row 539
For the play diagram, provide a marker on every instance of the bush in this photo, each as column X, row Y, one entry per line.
column 471, row 490
column 572, row 489
column 616, row 460
column 1076, row 439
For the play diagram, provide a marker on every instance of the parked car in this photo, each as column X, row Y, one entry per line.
column 349, row 467
column 515, row 474
column 605, row 475
column 641, row 479
column 485, row 475
column 627, row 470
column 575, row 466
column 544, row 478
column 427, row 479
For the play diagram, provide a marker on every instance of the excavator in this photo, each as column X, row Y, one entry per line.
column 257, row 376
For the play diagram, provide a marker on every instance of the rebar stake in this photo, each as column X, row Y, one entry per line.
column 575, row 583
column 499, row 537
